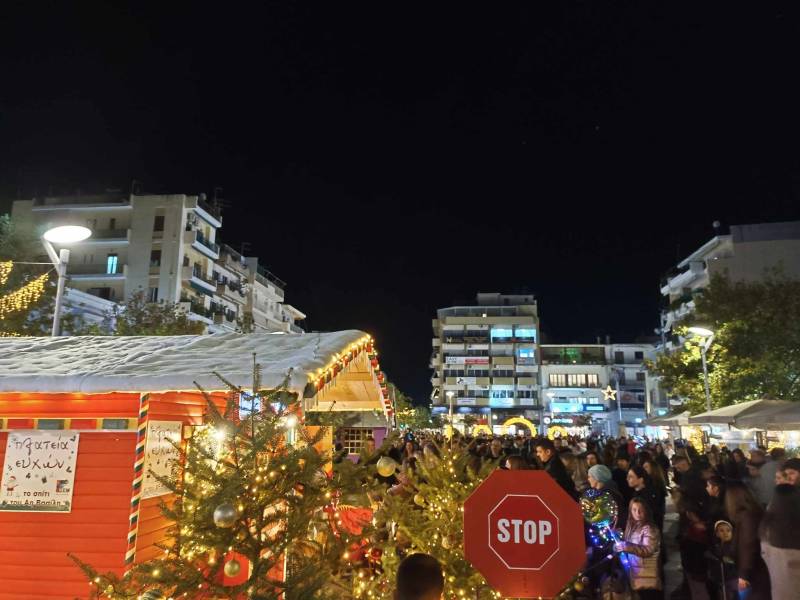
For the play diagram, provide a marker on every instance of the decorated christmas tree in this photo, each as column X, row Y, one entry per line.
column 256, row 511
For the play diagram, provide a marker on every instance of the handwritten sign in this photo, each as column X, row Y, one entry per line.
column 160, row 455
column 39, row 471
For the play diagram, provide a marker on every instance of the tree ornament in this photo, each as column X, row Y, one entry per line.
column 447, row 542
column 386, row 466
column 225, row 515
column 154, row 594
column 419, row 499
column 232, row 567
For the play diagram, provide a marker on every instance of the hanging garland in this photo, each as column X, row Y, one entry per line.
column 21, row 298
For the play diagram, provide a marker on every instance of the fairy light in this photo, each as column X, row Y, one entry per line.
column 22, row 298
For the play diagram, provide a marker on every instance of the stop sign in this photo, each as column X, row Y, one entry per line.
column 523, row 533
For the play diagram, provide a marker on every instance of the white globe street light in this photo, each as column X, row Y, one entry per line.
column 707, row 337
column 62, row 235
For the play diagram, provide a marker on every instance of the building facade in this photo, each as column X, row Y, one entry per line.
column 747, row 253
column 164, row 246
column 485, row 359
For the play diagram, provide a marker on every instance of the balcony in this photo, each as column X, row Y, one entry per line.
column 271, row 277
column 296, row 328
column 200, row 243
column 108, row 236
column 95, row 271
column 82, row 202
column 529, row 381
column 198, row 281
column 196, row 311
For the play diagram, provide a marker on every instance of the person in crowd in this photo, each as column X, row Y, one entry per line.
column 620, row 475
column 592, row 459
column 639, row 482
column 661, row 458
column 693, row 536
column 791, row 471
column 495, row 452
column 744, row 512
column 577, row 469
column 551, row 462
column 515, row 462
column 738, row 468
column 419, row 577
column 641, row 542
column 599, row 478
column 780, row 538
column 761, row 476
column 715, row 509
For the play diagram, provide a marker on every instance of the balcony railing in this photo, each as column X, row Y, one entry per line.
column 93, row 269
column 206, row 206
column 200, row 238
column 109, row 234
column 269, row 276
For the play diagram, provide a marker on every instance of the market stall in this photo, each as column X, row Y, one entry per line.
column 667, row 427
column 736, row 425
column 85, row 422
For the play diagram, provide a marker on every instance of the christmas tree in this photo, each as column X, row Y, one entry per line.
column 256, row 511
column 426, row 516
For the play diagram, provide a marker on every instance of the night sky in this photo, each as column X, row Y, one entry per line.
column 386, row 161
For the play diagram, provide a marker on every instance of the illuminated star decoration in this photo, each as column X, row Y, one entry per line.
column 609, row 394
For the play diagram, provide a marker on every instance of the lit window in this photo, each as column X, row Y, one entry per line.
column 526, row 353
column 526, row 332
column 111, row 263
column 501, row 333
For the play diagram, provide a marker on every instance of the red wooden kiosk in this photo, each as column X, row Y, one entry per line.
column 115, row 393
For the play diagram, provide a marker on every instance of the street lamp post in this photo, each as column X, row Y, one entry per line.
column 65, row 234
column 707, row 337
column 450, row 395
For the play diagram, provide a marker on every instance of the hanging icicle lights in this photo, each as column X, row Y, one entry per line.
column 23, row 297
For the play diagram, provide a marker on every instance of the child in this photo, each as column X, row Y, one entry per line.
column 642, row 544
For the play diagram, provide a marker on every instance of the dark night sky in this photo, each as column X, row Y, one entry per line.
column 386, row 161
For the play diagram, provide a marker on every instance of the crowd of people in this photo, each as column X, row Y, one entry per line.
column 738, row 515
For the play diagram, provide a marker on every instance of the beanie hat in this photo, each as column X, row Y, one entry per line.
column 600, row 473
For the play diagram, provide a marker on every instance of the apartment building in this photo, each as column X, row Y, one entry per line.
column 485, row 359
column 746, row 253
column 164, row 245
column 607, row 382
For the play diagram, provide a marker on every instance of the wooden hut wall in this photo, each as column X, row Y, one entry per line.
column 34, row 546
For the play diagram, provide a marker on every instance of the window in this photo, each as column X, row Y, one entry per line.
column 501, row 333
column 558, row 380
column 158, row 223
column 638, row 355
column 576, row 380
column 152, row 294
column 51, row 424
column 115, row 424
column 640, row 376
column 592, row 380
column 112, row 224
column 155, row 258
column 619, row 358
column 353, row 438
column 111, row 263
column 527, row 333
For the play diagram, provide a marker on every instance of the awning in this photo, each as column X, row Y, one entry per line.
column 785, row 417
column 731, row 415
column 675, row 420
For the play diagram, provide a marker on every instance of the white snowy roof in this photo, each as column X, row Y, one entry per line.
column 98, row 364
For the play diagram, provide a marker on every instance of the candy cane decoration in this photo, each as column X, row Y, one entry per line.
column 138, row 478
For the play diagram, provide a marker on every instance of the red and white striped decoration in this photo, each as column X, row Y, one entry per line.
column 138, row 478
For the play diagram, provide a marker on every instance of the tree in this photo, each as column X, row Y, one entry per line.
column 756, row 348
column 408, row 415
column 250, row 497
column 140, row 317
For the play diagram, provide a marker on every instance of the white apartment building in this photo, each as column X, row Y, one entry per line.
column 485, row 357
column 606, row 382
column 746, row 253
column 164, row 245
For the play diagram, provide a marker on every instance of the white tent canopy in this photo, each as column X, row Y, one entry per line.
column 675, row 420
column 785, row 417
column 95, row 364
column 732, row 415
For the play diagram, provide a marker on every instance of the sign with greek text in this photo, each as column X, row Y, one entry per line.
column 160, row 455
column 39, row 471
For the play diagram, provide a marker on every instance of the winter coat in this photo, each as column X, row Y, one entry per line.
column 747, row 552
column 642, row 545
column 780, row 526
column 556, row 469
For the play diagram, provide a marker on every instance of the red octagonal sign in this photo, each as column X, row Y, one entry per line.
column 523, row 533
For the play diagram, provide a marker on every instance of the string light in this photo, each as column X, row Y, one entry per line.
column 23, row 297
